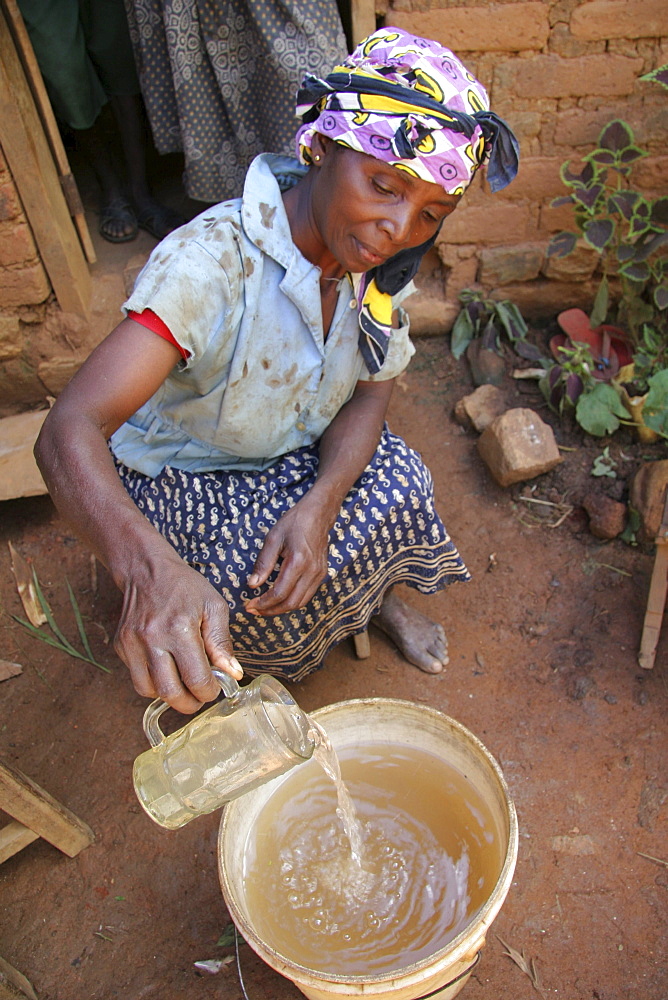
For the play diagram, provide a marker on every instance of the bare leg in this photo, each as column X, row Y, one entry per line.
column 422, row 641
column 157, row 219
column 118, row 222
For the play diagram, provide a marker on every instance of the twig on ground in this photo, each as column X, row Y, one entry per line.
column 528, row 966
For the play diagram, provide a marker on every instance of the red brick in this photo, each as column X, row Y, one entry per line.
column 538, row 179
column 507, row 27
column 16, row 244
column 652, row 174
column 507, row 265
column 489, row 223
column 543, row 299
column 551, row 76
column 10, row 205
column 23, row 286
column 604, row 19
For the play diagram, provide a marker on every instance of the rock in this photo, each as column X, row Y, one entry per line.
column 518, row 445
column 487, row 367
column 607, row 517
column 480, row 408
column 19, row 475
column 648, row 493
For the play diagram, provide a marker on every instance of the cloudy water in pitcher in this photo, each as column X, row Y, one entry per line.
column 428, row 856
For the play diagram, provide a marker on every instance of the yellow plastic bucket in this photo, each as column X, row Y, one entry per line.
column 350, row 724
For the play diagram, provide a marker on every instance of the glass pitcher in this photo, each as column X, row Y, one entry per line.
column 253, row 734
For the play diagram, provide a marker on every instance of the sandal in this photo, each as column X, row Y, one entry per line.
column 119, row 214
column 159, row 220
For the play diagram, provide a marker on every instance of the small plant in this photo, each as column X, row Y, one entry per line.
column 57, row 638
column 488, row 319
column 604, row 465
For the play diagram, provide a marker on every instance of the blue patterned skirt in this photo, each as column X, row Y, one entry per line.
column 387, row 532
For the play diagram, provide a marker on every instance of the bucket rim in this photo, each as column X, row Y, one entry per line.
column 458, row 949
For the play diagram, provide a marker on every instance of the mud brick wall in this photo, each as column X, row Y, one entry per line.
column 39, row 343
column 557, row 71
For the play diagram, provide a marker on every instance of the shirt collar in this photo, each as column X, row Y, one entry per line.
column 262, row 211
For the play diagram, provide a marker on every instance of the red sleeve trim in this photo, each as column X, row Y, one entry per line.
column 152, row 322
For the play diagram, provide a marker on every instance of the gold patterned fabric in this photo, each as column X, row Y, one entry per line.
column 387, row 532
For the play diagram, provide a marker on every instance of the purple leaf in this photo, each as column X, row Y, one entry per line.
column 616, row 136
column 574, row 387
column 598, row 233
column 562, row 244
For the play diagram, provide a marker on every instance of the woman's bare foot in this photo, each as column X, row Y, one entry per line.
column 422, row 641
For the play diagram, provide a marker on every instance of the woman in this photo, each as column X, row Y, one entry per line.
column 250, row 430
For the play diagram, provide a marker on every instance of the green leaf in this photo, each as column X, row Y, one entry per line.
column 661, row 297
column 655, row 407
column 599, row 411
column 462, row 334
column 226, row 938
column 49, row 616
column 81, row 629
column 600, row 308
column 604, row 465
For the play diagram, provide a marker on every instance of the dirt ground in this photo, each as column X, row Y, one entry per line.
column 543, row 669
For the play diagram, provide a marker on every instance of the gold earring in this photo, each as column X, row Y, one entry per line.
column 317, row 157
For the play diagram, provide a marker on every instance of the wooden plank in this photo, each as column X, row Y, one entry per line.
column 45, row 111
column 656, row 599
column 19, row 475
column 14, row 837
column 30, row 161
column 362, row 645
column 24, row 800
column 363, row 19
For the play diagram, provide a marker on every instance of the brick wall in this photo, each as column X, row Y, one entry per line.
column 557, row 71
column 38, row 352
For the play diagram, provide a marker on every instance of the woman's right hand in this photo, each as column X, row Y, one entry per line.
column 173, row 629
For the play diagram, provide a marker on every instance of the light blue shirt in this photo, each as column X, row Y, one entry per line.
column 239, row 297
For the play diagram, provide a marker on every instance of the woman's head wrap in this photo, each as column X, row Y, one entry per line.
column 411, row 103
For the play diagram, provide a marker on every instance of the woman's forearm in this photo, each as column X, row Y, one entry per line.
column 348, row 444
column 79, row 472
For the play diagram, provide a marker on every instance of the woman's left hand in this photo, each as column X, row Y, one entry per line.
column 300, row 541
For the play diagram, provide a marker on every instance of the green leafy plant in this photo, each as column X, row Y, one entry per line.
column 490, row 320
column 628, row 230
column 630, row 233
column 57, row 638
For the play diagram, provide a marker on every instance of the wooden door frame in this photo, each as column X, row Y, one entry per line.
column 36, row 176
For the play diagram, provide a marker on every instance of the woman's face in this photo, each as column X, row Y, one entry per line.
column 366, row 211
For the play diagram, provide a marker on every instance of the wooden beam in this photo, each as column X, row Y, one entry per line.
column 363, row 19
column 656, row 599
column 45, row 111
column 31, row 163
column 14, row 837
column 25, row 801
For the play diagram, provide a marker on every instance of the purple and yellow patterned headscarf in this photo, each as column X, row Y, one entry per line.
column 411, row 103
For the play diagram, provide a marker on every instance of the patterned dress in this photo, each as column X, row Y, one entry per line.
column 219, row 79
column 387, row 532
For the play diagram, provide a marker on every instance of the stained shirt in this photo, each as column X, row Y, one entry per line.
column 261, row 379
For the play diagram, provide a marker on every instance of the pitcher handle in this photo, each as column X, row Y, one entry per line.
column 154, row 733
